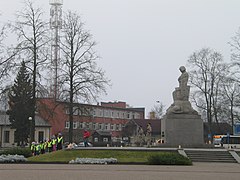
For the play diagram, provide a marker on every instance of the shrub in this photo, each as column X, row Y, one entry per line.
column 168, row 159
column 26, row 152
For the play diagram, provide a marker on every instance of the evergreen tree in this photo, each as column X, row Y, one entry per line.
column 21, row 105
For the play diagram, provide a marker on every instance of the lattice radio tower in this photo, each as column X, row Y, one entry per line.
column 55, row 25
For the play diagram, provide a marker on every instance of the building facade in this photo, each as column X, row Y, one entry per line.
column 41, row 133
column 106, row 116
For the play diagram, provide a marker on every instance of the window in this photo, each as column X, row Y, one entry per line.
column 105, row 139
column 106, row 113
column 128, row 115
column 40, row 136
column 100, row 113
column 120, row 115
column 74, row 125
column 94, row 126
column 67, row 111
column 6, row 136
column 120, row 127
column 95, row 139
column 75, row 110
column 100, row 126
column 87, row 125
column 137, row 115
column 94, row 112
column 106, row 126
column 81, row 125
column 67, row 124
column 91, row 125
column 112, row 127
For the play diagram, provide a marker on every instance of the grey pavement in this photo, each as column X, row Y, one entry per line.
column 199, row 171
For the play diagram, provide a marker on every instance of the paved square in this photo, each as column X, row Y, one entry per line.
column 199, row 171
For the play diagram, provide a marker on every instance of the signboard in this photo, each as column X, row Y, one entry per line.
column 237, row 129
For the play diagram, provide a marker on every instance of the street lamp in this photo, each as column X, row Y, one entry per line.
column 31, row 132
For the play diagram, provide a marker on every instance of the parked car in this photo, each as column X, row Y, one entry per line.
column 81, row 144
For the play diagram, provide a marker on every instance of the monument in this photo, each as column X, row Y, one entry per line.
column 182, row 125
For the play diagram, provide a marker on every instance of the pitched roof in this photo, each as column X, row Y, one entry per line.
column 4, row 121
column 141, row 109
column 103, row 133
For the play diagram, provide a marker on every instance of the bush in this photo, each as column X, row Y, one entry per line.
column 168, row 159
column 26, row 152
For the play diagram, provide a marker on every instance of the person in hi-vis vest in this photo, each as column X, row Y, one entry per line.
column 59, row 141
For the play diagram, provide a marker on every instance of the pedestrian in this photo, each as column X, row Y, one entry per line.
column 45, row 145
column 54, row 143
column 59, row 141
column 33, row 148
column 37, row 149
column 149, row 134
column 49, row 145
column 42, row 147
column 86, row 135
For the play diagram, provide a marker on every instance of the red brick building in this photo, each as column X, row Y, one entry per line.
column 107, row 116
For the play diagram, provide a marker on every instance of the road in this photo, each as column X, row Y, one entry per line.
column 199, row 171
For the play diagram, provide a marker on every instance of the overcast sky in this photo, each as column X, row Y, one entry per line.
column 142, row 43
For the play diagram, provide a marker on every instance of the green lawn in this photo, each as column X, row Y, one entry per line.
column 123, row 156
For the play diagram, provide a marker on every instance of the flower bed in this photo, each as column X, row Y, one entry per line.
column 93, row 161
column 12, row 158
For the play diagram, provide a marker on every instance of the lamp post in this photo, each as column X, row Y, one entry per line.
column 31, row 131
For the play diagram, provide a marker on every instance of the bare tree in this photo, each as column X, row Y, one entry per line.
column 3, row 59
column 206, row 76
column 32, row 33
column 231, row 101
column 235, row 48
column 80, row 78
column 158, row 110
column 7, row 55
column 231, row 88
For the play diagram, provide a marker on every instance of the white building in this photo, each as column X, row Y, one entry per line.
column 42, row 130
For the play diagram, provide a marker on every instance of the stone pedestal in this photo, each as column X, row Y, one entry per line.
column 182, row 129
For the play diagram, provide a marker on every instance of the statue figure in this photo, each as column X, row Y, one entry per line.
column 183, row 79
column 181, row 95
column 140, row 136
column 182, row 92
column 149, row 134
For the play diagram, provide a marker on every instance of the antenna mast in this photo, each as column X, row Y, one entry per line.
column 55, row 25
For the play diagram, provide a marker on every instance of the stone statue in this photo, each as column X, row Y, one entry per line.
column 181, row 102
column 182, row 92
column 149, row 134
column 140, row 136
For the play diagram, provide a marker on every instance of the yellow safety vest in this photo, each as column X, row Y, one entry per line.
column 54, row 141
column 59, row 139
column 49, row 144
